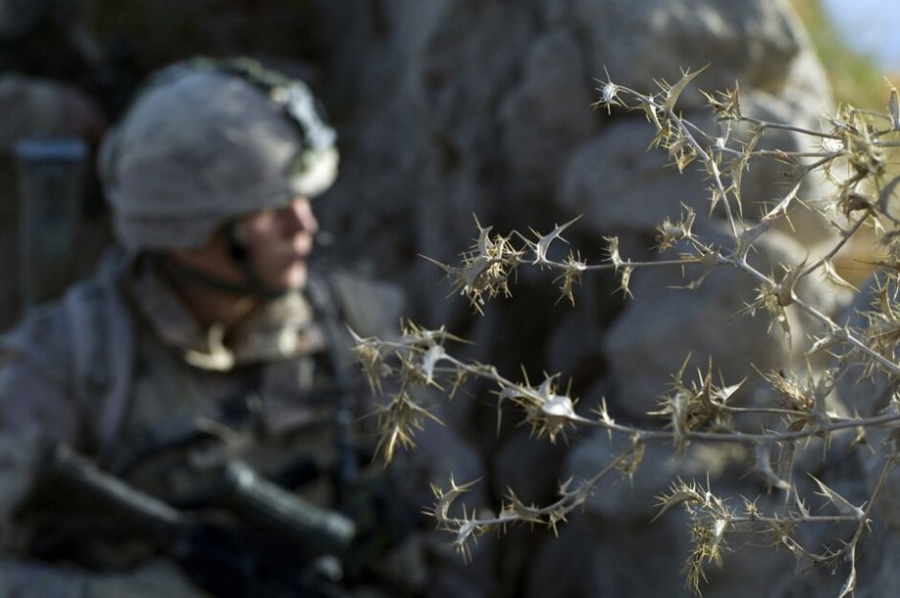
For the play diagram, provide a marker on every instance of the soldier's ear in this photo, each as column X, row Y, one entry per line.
column 237, row 241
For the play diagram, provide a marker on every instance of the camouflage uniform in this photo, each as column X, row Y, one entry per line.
column 120, row 370
column 270, row 387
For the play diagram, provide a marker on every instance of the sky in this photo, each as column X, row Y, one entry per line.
column 870, row 26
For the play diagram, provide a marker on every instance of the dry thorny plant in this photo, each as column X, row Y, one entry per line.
column 850, row 151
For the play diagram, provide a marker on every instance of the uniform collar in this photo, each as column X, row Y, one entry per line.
column 284, row 328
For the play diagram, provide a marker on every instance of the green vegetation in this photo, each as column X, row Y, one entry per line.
column 855, row 78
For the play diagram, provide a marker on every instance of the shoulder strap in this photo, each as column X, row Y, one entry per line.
column 326, row 303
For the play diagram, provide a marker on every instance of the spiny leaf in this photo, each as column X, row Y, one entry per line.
column 764, row 468
column 675, row 91
column 843, row 506
column 894, row 108
column 543, row 243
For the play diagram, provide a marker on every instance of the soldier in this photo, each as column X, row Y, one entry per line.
column 55, row 84
column 191, row 403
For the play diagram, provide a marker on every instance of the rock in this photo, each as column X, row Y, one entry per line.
column 635, row 499
column 638, row 43
column 665, row 324
column 548, row 114
column 618, row 184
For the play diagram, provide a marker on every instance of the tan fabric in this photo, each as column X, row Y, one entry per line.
column 283, row 329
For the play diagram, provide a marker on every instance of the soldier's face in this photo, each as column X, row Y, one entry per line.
column 279, row 242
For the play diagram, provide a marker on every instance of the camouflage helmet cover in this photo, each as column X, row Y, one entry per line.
column 207, row 142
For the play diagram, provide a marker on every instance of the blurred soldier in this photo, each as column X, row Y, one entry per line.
column 45, row 111
column 55, row 84
column 185, row 421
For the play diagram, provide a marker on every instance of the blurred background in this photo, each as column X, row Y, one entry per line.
column 869, row 27
column 857, row 41
column 452, row 110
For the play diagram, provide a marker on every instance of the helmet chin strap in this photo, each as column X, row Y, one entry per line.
column 252, row 285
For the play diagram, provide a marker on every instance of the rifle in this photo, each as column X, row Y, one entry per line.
column 260, row 540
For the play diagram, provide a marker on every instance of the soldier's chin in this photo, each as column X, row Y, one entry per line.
column 295, row 279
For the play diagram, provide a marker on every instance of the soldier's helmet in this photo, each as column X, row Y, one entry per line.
column 206, row 142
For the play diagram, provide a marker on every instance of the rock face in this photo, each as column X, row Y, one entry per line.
column 451, row 110
column 484, row 108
